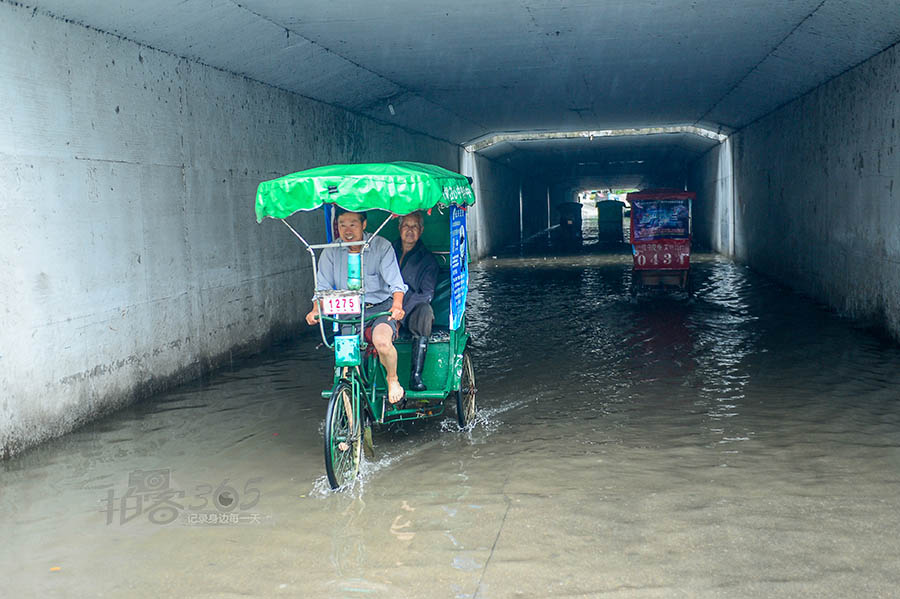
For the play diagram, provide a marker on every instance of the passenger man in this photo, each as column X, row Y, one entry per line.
column 420, row 272
column 383, row 284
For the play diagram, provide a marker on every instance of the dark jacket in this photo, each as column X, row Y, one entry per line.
column 420, row 271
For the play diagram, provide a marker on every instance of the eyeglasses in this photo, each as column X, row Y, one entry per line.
column 413, row 226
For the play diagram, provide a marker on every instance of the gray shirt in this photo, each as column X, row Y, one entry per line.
column 382, row 277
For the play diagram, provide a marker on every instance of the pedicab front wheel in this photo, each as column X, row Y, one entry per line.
column 465, row 396
column 343, row 438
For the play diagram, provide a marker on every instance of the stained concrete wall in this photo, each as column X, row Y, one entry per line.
column 494, row 222
column 713, row 219
column 129, row 253
column 534, row 206
column 816, row 187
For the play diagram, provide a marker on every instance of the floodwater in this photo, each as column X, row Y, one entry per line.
column 745, row 443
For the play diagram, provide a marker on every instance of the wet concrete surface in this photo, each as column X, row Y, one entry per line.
column 745, row 443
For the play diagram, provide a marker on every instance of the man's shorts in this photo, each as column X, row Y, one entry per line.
column 384, row 306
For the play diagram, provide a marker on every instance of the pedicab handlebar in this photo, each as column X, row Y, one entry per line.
column 354, row 319
column 367, row 318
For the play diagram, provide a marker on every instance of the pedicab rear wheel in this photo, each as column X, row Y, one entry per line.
column 465, row 396
column 343, row 438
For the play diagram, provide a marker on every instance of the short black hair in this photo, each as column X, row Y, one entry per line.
column 339, row 211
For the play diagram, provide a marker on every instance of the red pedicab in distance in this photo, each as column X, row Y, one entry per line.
column 661, row 240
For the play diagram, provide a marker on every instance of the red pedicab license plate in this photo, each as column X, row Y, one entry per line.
column 670, row 254
column 347, row 304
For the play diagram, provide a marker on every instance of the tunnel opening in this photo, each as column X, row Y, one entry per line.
column 571, row 188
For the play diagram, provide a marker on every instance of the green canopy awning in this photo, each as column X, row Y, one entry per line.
column 397, row 187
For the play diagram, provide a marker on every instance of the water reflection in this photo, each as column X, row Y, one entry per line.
column 659, row 433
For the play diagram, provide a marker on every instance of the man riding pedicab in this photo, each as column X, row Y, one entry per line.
column 383, row 284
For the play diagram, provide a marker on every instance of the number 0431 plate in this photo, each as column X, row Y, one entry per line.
column 343, row 304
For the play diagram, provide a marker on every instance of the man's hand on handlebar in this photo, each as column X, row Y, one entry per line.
column 313, row 317
column 397, row 313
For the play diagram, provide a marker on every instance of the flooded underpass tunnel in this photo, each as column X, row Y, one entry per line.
column 163, row 424
column 741, row 443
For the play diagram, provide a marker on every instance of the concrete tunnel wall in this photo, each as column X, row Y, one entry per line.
column 713, row 217
column 534, row 206
column 129, row 250
column 494, row 224
column 815, row 193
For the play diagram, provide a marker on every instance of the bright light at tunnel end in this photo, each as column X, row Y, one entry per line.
column 495, row 138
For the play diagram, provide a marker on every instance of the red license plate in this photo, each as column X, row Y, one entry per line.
column 673, row 254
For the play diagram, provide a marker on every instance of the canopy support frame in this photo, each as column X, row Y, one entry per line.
column 311, row 248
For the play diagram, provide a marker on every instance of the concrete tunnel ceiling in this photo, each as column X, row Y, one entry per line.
column 603, row 162
column 467, row 69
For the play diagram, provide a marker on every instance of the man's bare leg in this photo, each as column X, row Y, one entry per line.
column 383, row 338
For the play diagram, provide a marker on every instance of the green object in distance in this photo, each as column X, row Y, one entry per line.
column 397, row 187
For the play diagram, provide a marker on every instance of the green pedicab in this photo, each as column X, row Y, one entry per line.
column 357, row 399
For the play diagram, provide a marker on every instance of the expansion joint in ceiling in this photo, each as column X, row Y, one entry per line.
column 491, row 139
